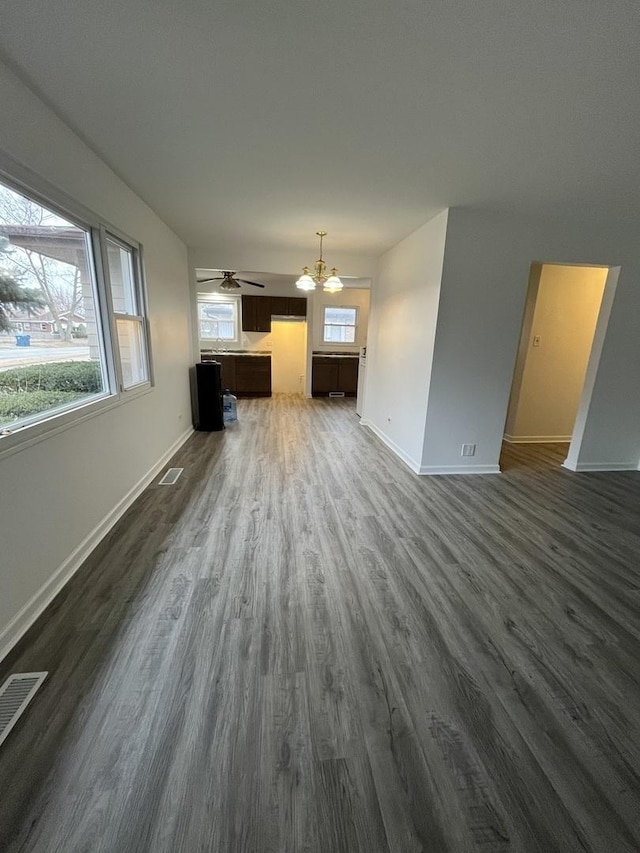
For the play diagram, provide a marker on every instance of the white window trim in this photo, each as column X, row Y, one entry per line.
column 355, row 325
column 105, row 233
column 207, row 343
column 33, row 430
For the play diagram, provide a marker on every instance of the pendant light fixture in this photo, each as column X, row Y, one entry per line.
column 331, row 283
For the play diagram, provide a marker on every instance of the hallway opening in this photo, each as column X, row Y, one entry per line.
column 561, row 314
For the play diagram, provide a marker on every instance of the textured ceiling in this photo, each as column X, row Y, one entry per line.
column 263, row 122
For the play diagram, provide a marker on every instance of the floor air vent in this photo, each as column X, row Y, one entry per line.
column 171, row 477
column 15, row 694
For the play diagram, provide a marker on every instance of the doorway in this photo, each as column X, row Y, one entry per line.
column 562, row 312
column 288, row 356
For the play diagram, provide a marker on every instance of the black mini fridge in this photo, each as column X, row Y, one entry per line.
column 208, row 397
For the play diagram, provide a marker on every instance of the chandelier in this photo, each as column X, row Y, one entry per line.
column 331, row 283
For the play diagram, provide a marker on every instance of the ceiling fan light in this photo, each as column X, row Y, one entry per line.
column 229, row 284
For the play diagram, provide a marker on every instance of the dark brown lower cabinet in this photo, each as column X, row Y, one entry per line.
column 227, row 371
column 253, row 376
column 245, row 375
column 348, row 376
column 334, row 374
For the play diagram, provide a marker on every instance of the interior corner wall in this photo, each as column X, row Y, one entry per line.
column 563, row 325
column 484, row 282
column 402, row 322
column 58, row 493
column 523, row 346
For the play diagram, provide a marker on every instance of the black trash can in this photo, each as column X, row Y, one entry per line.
column 208, row 397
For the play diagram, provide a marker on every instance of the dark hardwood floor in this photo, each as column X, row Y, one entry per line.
column 302, row 646
column 533, row 457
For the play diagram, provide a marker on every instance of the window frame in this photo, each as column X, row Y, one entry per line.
column 206, row 343
column 353, row 308
column 106, row 233
column 38, row 427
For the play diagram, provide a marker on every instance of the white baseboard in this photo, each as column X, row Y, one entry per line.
column 537, row 439
column 428, row 469
column 25, row 618
column 411, row 463
column 600, row 466
column 433, row 470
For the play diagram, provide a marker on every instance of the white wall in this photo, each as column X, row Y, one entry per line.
column 485, row 275
column 548, row 385
column 56, row 494
column 404, row 310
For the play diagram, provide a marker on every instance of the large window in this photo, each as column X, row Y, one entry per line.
column 340, row 324
column 217, row 319
column 65, row 340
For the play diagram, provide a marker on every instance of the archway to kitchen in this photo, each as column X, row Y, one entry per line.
column 268, row 334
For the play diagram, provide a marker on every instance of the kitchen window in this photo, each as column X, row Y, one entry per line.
column 340, row 323
column 217, row 319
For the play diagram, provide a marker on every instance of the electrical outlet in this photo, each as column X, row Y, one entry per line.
column 468, row 450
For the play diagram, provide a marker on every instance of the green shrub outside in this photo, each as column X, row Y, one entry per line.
column 82, row 377
column 21, row 405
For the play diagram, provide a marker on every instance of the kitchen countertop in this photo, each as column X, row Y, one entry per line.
column 214, row 353
column 335, row 355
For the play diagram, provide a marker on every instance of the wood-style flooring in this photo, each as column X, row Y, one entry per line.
column 303, row 647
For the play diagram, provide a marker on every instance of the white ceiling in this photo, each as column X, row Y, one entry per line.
column 263, row 122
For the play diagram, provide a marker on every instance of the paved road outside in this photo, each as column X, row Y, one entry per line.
column 13, row 356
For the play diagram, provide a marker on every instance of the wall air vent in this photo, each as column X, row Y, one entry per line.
column 171, row 477
column 15, row 694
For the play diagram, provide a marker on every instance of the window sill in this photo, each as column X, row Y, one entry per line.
column 29, row 435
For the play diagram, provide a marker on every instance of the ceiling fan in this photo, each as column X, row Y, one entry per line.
column 229, row 281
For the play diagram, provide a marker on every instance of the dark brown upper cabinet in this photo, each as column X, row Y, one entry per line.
column 258, row 310
column 280, row 306
column 256, row 313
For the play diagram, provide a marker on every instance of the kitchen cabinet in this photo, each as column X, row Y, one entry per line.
column 348, row 376
column 227, row 370
column 258, row 310
column 244, row 375
column 279, row 305
column 334, row 374
column 288, row 306
column 256, row 313
column 324, row 376
column 297, row 306
column 253, row 375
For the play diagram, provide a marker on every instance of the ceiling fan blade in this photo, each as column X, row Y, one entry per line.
column 207, row 280
column 254, row 283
